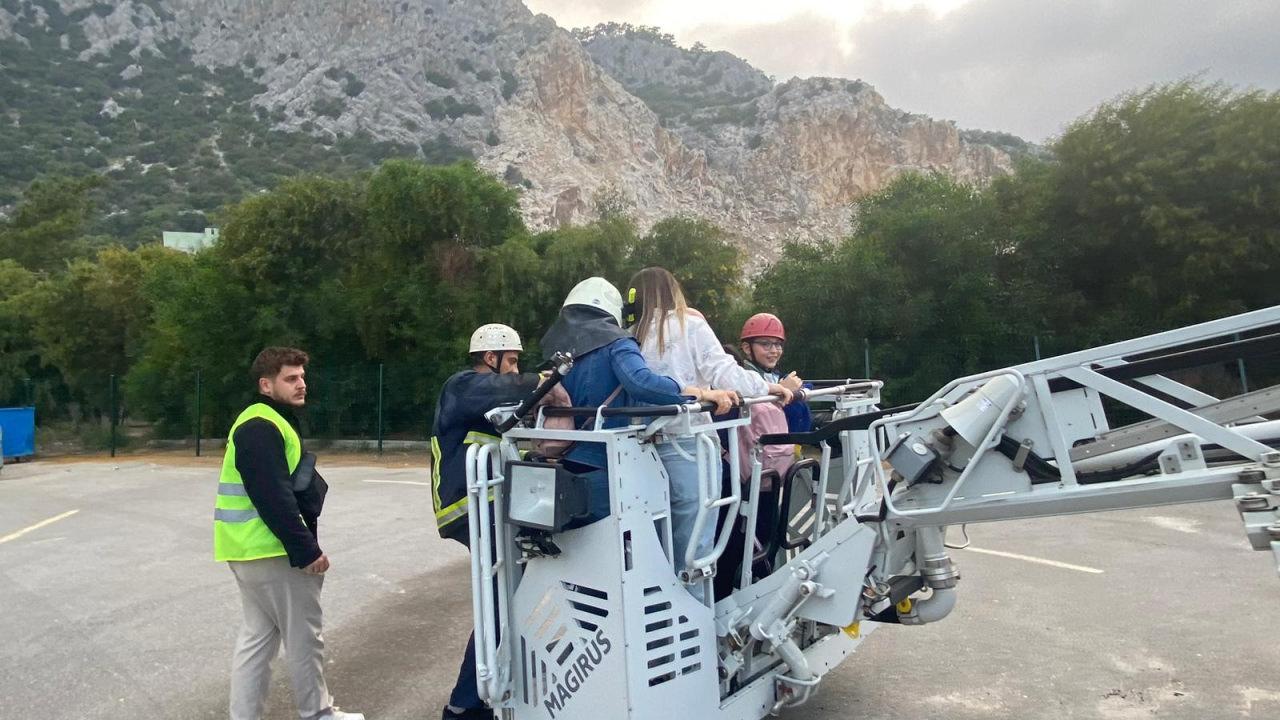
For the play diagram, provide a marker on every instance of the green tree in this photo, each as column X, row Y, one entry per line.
column 47, row 227
column 919, row 278
column 413, row 206
column 286, row 240
column 1162, row 208
column 703, row 259
column 19, row 355
column 525, row 280
column 276, row 277
column 419, row 288
column 516, row 291
column 377, row 269
column 204, row 318
column 93, row 320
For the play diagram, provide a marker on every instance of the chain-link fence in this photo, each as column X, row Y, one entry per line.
column 374, row 407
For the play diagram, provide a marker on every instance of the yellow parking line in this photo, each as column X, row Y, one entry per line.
column 37, row 526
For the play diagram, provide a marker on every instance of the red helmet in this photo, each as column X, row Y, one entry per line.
column 763, row 325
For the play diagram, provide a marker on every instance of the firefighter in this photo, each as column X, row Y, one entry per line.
column 494, row 379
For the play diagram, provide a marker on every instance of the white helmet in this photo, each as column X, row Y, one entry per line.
column 597, row 292
column 496, row 337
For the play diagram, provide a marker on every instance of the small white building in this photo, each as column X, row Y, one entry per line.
column 190, row 242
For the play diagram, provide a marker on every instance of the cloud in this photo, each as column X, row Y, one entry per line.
column 584, row 13
column 1031, row 68
column 1028, row 67
column 805, row 44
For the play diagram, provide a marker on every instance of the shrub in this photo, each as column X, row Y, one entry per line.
column 509, row 84
column 439, row 79
column 330, row 107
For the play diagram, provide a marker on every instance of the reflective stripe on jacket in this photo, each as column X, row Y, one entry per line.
column 446, row 515
column 459, row 422
column 238, row 531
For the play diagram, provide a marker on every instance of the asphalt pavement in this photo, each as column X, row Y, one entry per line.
column 112, row 607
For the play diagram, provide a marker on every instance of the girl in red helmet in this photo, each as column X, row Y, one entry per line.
column 763, row 338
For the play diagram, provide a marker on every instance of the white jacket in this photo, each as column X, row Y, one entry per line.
column 695, row 357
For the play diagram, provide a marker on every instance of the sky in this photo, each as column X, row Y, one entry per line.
column 1028, row 67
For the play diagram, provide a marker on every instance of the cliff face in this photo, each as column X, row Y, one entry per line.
column 794, row 158
column 564, row 117
column 573, row 130
column 819, row 145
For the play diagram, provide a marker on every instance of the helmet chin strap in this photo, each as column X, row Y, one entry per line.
column 751, row 350
column 497, row 370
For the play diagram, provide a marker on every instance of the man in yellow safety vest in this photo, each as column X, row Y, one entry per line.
column 264, row 528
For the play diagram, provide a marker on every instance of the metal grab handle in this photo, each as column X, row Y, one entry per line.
column 480, row 586
column 820, row 492
column 488, row 565
column 709, row 459
column 753, row 514
column 700, row 520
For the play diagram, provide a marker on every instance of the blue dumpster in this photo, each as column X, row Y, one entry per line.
column 17, row 432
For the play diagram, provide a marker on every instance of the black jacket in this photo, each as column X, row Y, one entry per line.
column 464, row 400
column 260, row 460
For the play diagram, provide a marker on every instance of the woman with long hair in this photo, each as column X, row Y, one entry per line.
column 676, row 341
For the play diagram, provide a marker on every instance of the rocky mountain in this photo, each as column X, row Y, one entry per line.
column 197, row 101
column 676, row 83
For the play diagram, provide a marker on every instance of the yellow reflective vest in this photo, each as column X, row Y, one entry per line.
column 238, row 532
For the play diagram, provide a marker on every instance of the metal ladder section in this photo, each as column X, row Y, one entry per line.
column 1057, row 418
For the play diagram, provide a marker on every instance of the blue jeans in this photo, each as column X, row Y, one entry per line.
column 683, row 474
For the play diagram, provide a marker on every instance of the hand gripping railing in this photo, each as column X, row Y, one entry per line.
column 675, row 421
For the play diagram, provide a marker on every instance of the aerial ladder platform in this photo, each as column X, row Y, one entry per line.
column 601, row 621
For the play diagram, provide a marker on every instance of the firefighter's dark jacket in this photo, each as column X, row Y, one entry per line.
column 459, row 421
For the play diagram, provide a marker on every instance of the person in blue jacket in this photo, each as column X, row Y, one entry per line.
column 608, row 369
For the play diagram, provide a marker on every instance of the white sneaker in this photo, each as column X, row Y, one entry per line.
column 336, row 714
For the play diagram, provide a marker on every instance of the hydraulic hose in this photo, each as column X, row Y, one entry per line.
column 1042, row 471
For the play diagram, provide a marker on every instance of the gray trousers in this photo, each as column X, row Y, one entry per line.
column 281, row 603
